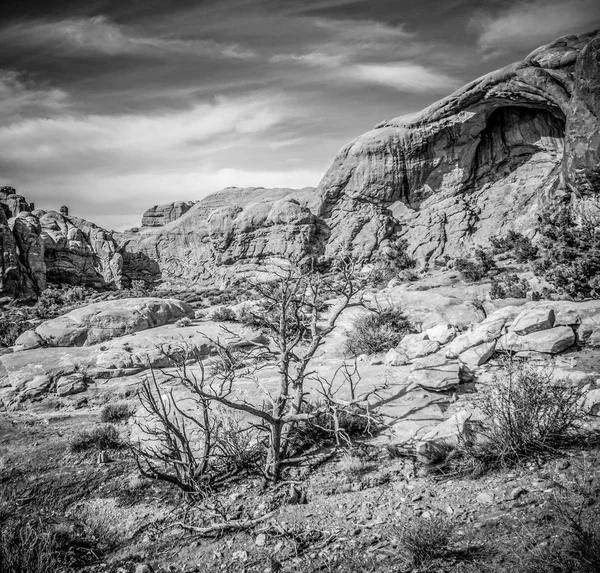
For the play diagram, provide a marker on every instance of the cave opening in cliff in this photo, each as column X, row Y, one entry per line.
column 513, row 135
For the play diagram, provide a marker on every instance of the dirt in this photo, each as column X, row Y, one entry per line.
column 356, row 505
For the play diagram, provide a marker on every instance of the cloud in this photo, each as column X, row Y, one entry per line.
column 98, row 35
column 127, row 142
column 20, row 98
column 101, row 165
column 405, row 77
column 526, row 25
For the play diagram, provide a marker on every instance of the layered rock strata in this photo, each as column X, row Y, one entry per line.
column 473, row 164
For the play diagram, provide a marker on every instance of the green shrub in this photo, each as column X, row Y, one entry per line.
column 570, row 250
column 476, row 268
column 100, row 438
column 116, row 413
column 509, row 285
column 377, row 332
column 519, row 245
column 391, row 267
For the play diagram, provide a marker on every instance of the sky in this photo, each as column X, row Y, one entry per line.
column 111, row 107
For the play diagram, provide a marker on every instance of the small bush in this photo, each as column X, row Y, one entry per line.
column 525, row 413
column 519, row 245
column 392, row 267
column 224, row 314
column 183, row 322
column 570, row 250
column 425, row 539
column 113, row 413
column 100, row 438
column 509, row 285
column 476, row 268
column 27, row 546
column 341, row 426
column 11, row 330
column 378, row 332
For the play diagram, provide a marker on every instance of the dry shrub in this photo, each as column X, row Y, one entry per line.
column 27, row 546
column 526, row 412
column 378, row 332
column 113, row 413
column 100, row 438
column 425, row 539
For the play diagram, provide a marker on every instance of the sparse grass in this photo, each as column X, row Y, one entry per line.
column 351, row 465
column 378, row 332
column 27, row 546
column 100, row 438
column 114, row 413
column 424, row 539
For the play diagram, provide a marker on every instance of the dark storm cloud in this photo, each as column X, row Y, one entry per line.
column 130, row 103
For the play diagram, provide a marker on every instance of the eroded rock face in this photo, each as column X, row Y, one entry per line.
column 160, row 215
column 79, row 252
column 472, row 165
column 234, row 230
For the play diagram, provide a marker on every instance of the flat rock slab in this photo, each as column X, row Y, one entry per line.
column 435, row 372
column 106, row 320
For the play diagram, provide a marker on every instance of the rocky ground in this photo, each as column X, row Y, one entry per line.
column 347, row 510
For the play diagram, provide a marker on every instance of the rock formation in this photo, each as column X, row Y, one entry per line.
column 41, row 247
column 245, row 227
column 473, row 164
column 160, row 215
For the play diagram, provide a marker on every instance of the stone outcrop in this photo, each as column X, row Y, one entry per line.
column 473, row 164
column 160, row 215
column 103, row 321
column 79, row 252
column 239, row 230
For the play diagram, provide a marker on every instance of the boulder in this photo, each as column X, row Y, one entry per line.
column 552, row 341
column 436, row 441
column 106, row 320
column 533, row 320
column 592, row 402
column 71, row 384
column 417, row 345
column 478, row 355
column 28, row 340
column 487, row 330
column 442, row 333
column 395, row 358
column 434, row 372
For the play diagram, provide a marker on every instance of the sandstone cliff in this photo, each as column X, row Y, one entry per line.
column 160, row 215
column 473, row 164
column 246, row 227
column 40, row 247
